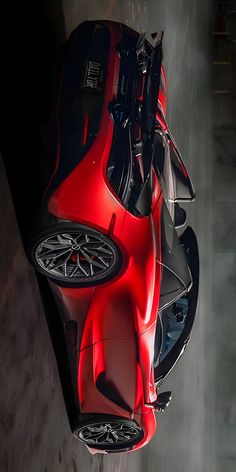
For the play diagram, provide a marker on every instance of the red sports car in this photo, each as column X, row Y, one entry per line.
column 124, row 281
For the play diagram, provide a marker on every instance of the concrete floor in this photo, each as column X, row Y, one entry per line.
column 35, row 435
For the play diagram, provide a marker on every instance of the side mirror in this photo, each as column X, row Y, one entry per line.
column 163, row 401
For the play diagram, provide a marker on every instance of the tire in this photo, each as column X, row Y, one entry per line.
column 78, row 256
column 127, row 433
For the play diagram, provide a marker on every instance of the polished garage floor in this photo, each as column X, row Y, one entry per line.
column 35, row 435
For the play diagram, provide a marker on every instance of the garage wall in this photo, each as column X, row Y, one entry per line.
column 224, row 230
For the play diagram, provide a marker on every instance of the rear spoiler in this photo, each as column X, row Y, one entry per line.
column 151, row 87
column 150, row 98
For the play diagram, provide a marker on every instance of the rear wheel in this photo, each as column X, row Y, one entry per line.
column 111, row 434
column 75, row 255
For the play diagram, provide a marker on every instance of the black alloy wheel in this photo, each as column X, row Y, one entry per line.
column 110, row 434
column 74, row 255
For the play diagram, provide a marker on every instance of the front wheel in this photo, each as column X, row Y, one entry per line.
column 113, row 433
column 74, row 255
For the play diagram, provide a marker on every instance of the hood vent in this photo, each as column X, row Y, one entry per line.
column 108, row 389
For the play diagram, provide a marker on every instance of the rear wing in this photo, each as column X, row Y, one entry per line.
column 151, row 87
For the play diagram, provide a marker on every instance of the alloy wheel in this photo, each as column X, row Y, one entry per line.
column 112, row 433
column 81, row 256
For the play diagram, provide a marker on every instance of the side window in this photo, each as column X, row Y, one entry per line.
column 170, row 325
column 163, row 168
column 183, row 186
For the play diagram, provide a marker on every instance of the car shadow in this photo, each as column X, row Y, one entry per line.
column 31, row 52
column 33, row 32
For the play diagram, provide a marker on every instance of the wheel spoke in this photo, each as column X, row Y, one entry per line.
column 91, row 268
column 91, row 251
column 54, row 254
column 97, row 253
column 95, row 429
column 90, row 260
column 123, row 435
column 64, row 237
column 53, row 245
column 64, row 267
column 61, row 262
column 115, row 435
column 104, row 250
column 97, row 264
column 127, row 431
column 78, row 267
column 103, row 262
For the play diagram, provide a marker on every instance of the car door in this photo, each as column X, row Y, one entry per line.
column 174, row 323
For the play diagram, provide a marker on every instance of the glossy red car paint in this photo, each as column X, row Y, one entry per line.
column 117, row 319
